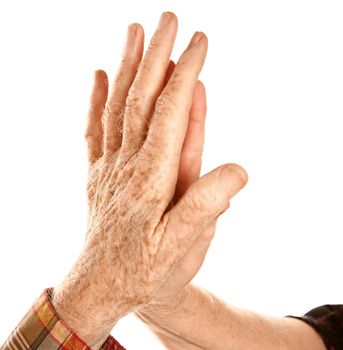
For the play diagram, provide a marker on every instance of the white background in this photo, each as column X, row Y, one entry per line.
column 274, row 81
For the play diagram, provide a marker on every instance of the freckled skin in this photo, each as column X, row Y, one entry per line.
column 139, row 236
column 151, row 218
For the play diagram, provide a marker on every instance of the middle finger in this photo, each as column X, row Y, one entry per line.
column 147, row 85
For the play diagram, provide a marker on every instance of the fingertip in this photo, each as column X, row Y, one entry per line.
column 172, row 18
column 99, row 91
column 139, row 27
column 100, row 76
column 238, row 171
column 205, row 37
column 134, row 46
column 173, row 15
column 97, row 73
column 232, row 179
column 138, row 31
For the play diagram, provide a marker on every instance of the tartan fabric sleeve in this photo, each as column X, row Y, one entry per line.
column 327, row 320
column 42, row 329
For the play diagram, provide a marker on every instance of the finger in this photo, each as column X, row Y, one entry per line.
column 148, row 84
column 169, row 72
column 94, row 132
column 190, row 160
column 169, row 123
column 203, row 202
column 115, row 106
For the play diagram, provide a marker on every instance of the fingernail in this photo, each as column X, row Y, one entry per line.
column 131, row 32
column 236, row 177
column 164, row 20
column 130, row 38
column 196, row 39
column 100, row 75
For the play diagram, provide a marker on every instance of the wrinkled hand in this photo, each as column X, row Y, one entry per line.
column 150, row 222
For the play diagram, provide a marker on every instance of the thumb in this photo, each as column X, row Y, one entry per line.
column 203, row 202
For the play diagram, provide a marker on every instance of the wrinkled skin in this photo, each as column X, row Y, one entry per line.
column 151, row 218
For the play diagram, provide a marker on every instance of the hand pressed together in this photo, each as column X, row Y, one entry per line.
column 151, row 218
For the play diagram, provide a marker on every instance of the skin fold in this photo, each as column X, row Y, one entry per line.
column 151, row 217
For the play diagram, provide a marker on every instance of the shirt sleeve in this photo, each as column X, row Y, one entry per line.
column 327, row 320
column 42, row 329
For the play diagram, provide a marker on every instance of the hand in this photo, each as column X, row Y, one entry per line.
column 136, row 234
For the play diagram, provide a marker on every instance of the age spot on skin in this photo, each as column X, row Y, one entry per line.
column 137, row 194
column 130, row 172
column 174, row 83
column 147, row 225
column 153, row 202
column 122, row 211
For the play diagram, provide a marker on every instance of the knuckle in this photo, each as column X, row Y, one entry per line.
column 113, row 107
column 191, row 153
column 175, row 83
column 165, row 103
column 131, row 98
column 207, row 203
column 155, row 42
column 160, row 104
column 197, row 201
column 113, row 116
column 134, row 103
column 127, row 61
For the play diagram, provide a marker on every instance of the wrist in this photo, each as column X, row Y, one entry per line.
column 80, row 309
column 167, row 305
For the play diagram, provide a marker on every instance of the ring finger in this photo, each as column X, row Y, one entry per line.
column 115, row 105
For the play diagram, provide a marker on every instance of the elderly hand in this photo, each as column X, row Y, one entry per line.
column 150, row 218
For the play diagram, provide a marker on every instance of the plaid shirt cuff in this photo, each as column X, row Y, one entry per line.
column 42, row 329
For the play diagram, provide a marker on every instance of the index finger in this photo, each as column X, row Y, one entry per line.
column 169, row 123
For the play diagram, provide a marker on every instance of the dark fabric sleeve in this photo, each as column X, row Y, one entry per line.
column 327, row 320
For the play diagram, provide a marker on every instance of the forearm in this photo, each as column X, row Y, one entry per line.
column 170, row 336
column 198, row 320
